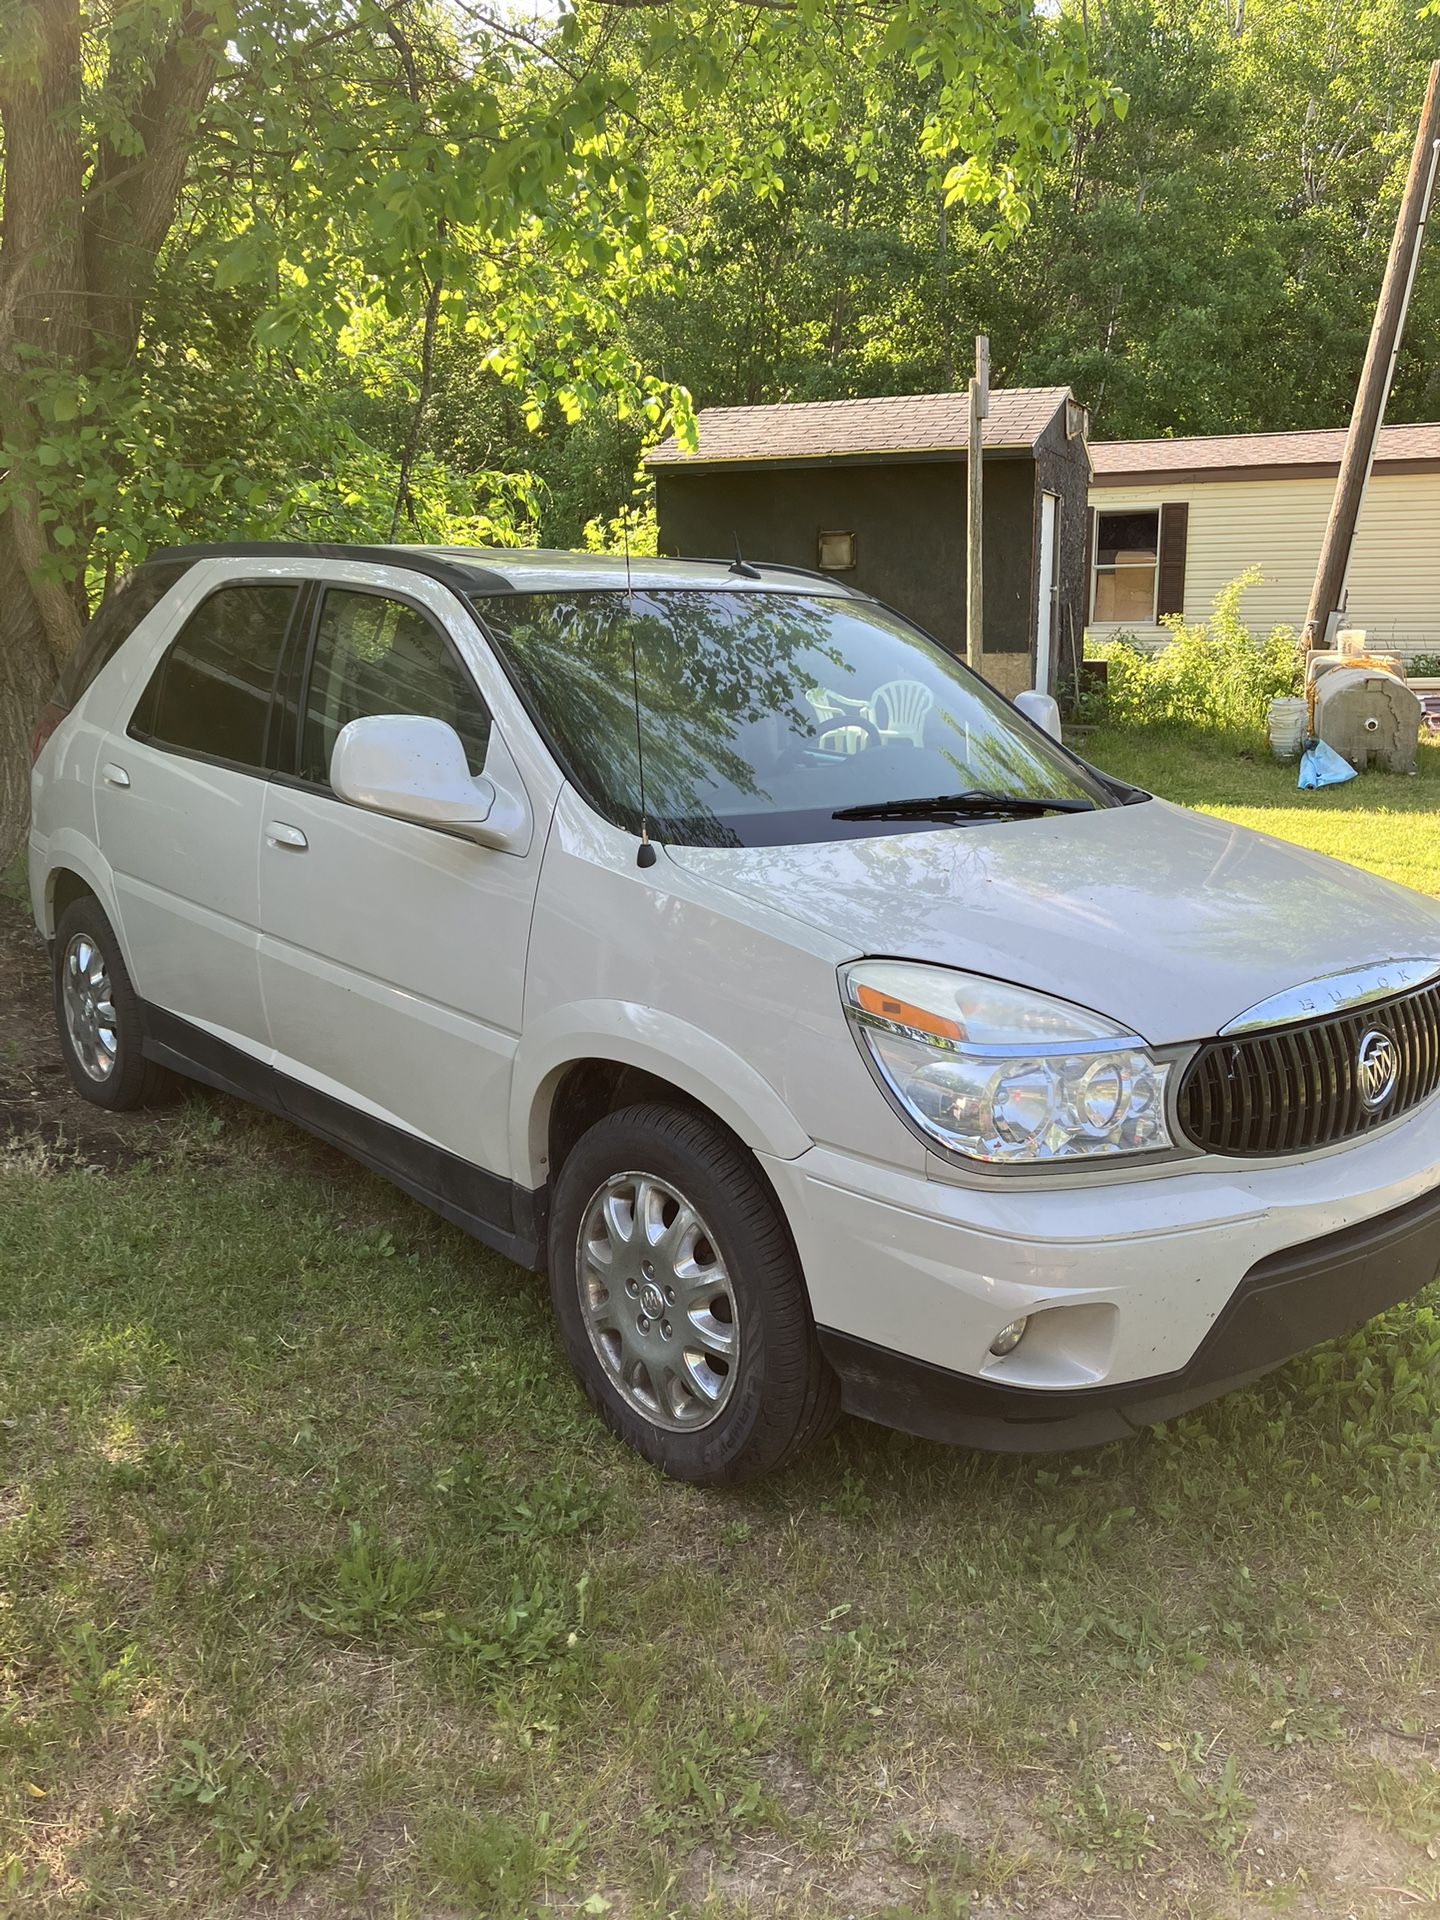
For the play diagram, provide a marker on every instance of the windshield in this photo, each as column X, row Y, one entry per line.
column 763, row 714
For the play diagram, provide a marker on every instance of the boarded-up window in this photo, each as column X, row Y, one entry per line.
column 1174, row 531
column 1127, row 547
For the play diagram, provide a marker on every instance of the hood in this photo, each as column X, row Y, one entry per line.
column 1169, row 921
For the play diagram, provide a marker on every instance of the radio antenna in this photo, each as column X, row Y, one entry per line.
column 645, row 857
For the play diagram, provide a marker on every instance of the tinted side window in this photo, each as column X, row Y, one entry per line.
column 374, row 655
column 116, row 618
column 211, row 692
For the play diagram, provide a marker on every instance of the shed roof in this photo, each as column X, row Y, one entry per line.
column 1119, row 463
column 907, row 426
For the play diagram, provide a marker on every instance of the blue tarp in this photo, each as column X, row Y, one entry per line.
column 1321, row 766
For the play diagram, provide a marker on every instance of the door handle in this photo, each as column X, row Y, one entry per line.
column 280, row 834
column 114, row 776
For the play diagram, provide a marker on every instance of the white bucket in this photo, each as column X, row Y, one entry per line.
column 1287, row 728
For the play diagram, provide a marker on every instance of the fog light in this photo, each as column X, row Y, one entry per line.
column 1008, row 1338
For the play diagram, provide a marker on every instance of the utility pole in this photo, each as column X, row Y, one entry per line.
column 979, row 395
column 1328, row 594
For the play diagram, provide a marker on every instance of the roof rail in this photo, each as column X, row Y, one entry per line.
column 449, row 572
column 462, row 575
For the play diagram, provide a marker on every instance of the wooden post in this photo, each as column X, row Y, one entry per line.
column 979, row 395
column 1368, row 413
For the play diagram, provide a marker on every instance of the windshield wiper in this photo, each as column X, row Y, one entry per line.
column 975, row 802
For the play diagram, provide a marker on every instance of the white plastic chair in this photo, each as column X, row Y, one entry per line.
column 834, row 706
column 844, row 739
column 899, row 709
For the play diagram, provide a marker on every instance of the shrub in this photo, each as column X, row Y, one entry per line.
column 1424, row 666
column 1216, row 675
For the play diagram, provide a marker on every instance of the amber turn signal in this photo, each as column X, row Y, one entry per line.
column 906, row 1014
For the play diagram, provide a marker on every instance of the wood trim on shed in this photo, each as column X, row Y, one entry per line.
column 904, row 457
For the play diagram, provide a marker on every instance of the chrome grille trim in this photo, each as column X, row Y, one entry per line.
column 1334, row 992
column 1295, row 1087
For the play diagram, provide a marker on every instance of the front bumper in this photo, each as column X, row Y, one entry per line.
column 1127, row 1281
column 1286, row 1303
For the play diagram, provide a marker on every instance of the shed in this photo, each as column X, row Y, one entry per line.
column 1176, row 520
column 875, row 492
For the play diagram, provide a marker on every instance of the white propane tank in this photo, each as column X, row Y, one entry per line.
column 1369, row 716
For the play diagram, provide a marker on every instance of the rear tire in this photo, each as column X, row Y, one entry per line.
column 680, row 1299
column 97, row 1015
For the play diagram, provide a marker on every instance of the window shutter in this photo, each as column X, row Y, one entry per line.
column 1170, row 587
column 1089, row 573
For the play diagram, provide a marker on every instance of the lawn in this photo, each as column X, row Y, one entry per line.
column 320, row 1587
column 1389, row 823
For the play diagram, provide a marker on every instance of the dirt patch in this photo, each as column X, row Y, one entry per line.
column 39, row 1109
column 45, row 1124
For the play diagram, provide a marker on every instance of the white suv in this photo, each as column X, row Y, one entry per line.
column 713, row 939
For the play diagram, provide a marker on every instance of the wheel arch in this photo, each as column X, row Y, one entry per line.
column 71, row 872
column 65, row 887
column 573, row 1070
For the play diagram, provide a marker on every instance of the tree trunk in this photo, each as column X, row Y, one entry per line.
column 42, row 305
column 27, row 674
column 80, row 233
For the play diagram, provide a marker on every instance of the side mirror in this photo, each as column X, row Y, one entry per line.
column 1042, row 709
column 414, row 768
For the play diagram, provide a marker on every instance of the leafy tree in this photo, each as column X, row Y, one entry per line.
column 207, row 203
column 1205, row 263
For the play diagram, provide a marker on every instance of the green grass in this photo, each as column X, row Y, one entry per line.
column 1389, row 823
column 320, row 1589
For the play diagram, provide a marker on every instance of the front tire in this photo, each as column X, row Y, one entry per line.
column 97, row 1014
column 680, row 1300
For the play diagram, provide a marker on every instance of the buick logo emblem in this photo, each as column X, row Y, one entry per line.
column 1377, row 1068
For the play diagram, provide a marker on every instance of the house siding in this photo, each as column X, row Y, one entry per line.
column 1277, row 525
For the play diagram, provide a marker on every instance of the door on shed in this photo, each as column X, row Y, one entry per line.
column 1049, row 577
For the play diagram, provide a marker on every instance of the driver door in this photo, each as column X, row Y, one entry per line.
column 392, row 956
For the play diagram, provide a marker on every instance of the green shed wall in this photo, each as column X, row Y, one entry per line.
column 908, row 519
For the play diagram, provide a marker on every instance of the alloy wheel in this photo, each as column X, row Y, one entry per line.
column 90, row 1018
column 657, row 1301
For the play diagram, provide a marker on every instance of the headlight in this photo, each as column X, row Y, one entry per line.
column 1001, row 1074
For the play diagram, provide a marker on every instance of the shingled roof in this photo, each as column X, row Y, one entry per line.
column 1120, row 463
column 909, row 426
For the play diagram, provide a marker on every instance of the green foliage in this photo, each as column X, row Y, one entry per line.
column 707, row 1788
column 100, row 1673
column 375, row 197
column 1215, row 1803
column 1405, row 1802
column 1300, row 1715
column 554, row 1505
column 539, row 1626
column 635, row 533
column 1205, row 262
column 846, row 1691
column 257, row 1832
column 1214, row 675
column 372, row 1590
column 508, row 1867
column 1102, row 1824
column 1424, row 666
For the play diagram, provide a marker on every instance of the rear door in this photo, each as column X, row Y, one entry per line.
column 179, row 800
column 393, row 955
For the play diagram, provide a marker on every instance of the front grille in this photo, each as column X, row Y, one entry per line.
column 1298, row 1087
